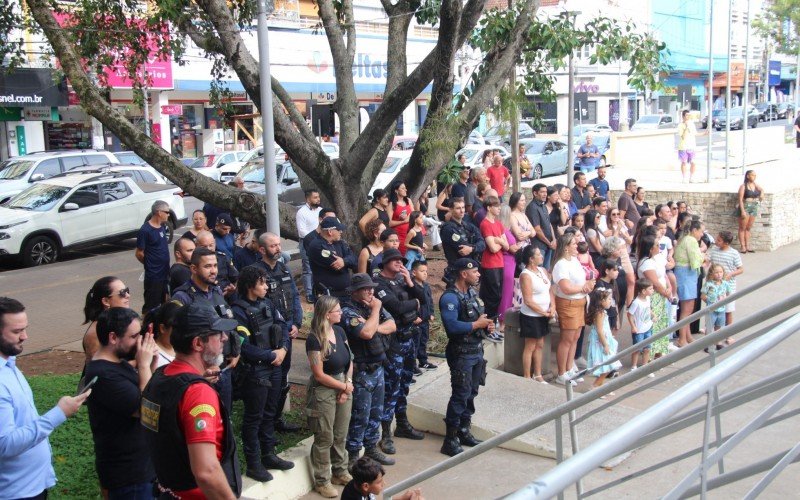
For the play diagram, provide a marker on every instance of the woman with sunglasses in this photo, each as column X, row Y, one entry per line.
column 107, row 292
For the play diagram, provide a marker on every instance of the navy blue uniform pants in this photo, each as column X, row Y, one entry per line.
column 260, row 395
column 365, row 419
column 465, row 378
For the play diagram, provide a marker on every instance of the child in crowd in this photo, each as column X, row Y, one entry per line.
column 728, row 257
column 419, row 271
column 602, row 344
column 715, row 289
column 577, row 223
column 640, row 316
column 367, row 482
column 609, row 272
column 415, row 246
column 586, row 261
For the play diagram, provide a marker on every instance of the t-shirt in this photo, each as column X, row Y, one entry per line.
column 121, row 454
column 715, row 292
column 338, row 355
column 199, row 417
column 686, row 136
column 571, row 270
column 626, row 203
column 600, row 186
column 589, row 161
column 156, row 251
column 653, row 265
column 581, row 198
column 642, row 318
column 492, row 260
column 471, row 194
column 664, row 246
column 729, row 259
column 458, row 190
column 497, row 178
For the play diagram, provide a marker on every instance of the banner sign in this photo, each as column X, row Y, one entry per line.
column 32, row 87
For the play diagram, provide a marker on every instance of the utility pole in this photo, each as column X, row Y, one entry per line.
column 727, row 94
column 146, row 105
column 268, row 130
column 710, row 91
column 571, row 106
column 515, row 174
column 746, row 93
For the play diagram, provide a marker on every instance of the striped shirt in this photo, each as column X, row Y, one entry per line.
column 729, row 259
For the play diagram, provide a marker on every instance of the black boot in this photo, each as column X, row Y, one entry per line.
column 375, row 454
column 281, row 425
column 466, row 438
column 256, row 470
column 405, row 430
column 272, row 461
column 352, row 456
column 451, row 447
column 386, row 444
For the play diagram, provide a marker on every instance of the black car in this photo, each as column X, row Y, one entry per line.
column 736, row 115
column 767, row 112
column 785, row 110
column 714, row 118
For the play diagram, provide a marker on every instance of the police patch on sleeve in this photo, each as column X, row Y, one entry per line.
column 354, row 322
column 326, row 253
column 203, row 408
column 451, row 307
column 456, row 236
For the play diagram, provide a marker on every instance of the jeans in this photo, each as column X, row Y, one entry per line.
column 491, row 289
column 307, row 282
column 139, row 491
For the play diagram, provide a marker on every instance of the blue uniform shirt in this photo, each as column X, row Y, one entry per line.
column 449, row 306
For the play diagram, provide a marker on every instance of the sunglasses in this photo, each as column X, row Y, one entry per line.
column 122, row 293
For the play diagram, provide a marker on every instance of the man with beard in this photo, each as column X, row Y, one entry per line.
column 26, row 468
column 180, row 273
column 189, row 431
column 122, row 459
column 282, row 291
column 536, row 211
column 226, row 272
column 307, row 219
column 331, row 260
column 460, row 238
column 600, row 184
column 248, row 254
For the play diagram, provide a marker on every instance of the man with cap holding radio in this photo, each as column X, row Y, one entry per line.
column 466, row 324
column 331, row 260
column 189, row 431
column 368, row 327
column 401, row 296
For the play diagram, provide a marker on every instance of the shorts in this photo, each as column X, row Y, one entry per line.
column 686, row 156
column 715, row 320
column 750, row 208
column 533, row 327
column 638, row 337
column 571, row 313
column 687, row 282
column 730, row 307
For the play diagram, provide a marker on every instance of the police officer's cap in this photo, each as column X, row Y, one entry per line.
column 359, row 281
column 225, row 219
column 197, row 319
column 331, row 223
column 390, row 255
column 464, row 263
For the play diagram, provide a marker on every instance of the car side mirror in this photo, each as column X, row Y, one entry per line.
column 36, row 178
column 68, row 207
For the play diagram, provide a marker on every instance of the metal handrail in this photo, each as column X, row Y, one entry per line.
column 555, row 414
column 617, row 441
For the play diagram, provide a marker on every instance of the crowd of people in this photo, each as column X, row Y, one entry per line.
column 219, row 323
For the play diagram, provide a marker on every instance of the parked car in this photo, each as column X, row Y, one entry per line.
column 22, row 171
column 289, row 189
column 228, row 171
column 715, row 114
column 210, row 164
column 475, row 137
column 140, row 173
column 80, row 209
column 580, row 130
column 736, row 115
column 547, row 157
column 404, row 142
column 474, row 153
column 767, row 111
column 394, row 163
column 785, row 110
column 603, row 143
column 500, row 135
column 130, row 158
column 654, row 122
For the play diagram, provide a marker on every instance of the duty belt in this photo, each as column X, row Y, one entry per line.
column 466, row 348
column 367, row 367
column 406, row 334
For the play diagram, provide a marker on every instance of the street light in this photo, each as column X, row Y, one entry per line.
column 571, row 105
column 268, row 132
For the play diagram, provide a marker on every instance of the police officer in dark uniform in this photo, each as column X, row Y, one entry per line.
column 331, row 260
column 460, row 238
column 226, row 272
column 183, row 414
column 203, row 288
column 368, row 326
column 265, row 344
column 282, row 291
column 465, row 323
column 401, row 296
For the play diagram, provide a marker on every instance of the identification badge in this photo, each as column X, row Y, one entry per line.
column 326, row 253
column 480, row 301
column 381, row 294
column 149, row 414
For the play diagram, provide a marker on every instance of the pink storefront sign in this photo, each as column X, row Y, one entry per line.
column 172, row 109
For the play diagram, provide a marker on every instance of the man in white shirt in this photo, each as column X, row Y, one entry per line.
column 307, row 220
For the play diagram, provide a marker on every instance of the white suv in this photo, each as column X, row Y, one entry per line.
column 22, row 171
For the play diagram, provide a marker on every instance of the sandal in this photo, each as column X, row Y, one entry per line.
column 730, row 341
column 540, row 380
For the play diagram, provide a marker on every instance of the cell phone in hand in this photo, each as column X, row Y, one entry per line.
column 88, row 385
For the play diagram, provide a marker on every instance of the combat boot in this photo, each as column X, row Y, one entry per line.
column 466, row 438
column 375, row 454
column 405, row 430
column 352, row 456
column 272, row 461
column 451, row 447
column 256, row 470
column 386, row 443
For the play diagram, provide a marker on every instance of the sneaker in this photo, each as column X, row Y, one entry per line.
column 672, row 347
column 428, row 366
column 651, row 375
column 563, row 380
column 634, row 368
column 540, row 380
column 326, row 490
column 580, row 363
column 490, row 337
column 417, row 370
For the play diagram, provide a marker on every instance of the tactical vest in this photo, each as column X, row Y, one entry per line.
column 470, row 308
column 216, row 302
column 280, row 290
column 264, row 333
column 398, row 288
column 166, row 441
column 366, row 351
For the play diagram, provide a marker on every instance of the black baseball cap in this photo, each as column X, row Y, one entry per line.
column 331, row 223
column 464, row 263
column 225, row 219
column 198, row 319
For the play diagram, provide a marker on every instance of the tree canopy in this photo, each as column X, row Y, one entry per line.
column 94, row 34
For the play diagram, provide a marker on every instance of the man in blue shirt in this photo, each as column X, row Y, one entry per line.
column 26, row 468
column 589, row 155
column 226, row 242
column 600, row 184
column 152, row 250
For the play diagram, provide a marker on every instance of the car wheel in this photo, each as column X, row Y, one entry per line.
column 39, row 250
column 170, row 230
column 536, row 173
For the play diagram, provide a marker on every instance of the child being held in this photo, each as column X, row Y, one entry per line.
column 715, row 289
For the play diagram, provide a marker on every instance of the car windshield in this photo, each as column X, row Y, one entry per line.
column 203, row 161
column 649, row 119
column 39, row 197
column 16, row 170
column 534, row 148
column 390, row 165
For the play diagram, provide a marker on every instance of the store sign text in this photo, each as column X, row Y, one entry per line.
column 365, row 67
column 591, row 88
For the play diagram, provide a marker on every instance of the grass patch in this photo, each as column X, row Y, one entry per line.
column 73, row 447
